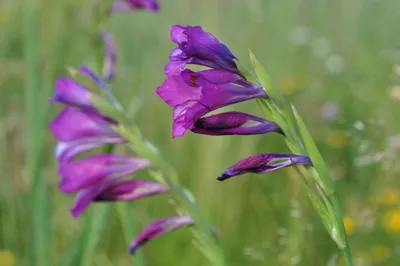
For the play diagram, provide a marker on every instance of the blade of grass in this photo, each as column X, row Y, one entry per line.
column 95, row 224
column 129, row 230
column 39, row 243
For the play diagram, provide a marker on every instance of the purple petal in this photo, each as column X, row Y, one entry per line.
column 67, row 151
column 70, row 92
column 234, row 123
column 110, row 56
column 84, row 198
column 111, row 190
column 131, row 190
column 72, row 124
column 157, row 228
column 77, row 175
column 200, row 48
column 195, row 94
column 129, row 5
column 175, row 91
column 216, row 94
column 264, row 163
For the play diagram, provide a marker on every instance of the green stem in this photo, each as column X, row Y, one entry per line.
column 347, row 250
column 39, row 245
column 129, row 230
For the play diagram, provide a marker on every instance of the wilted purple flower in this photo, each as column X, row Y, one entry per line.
column 110, row 56
column 198, row 47
column 234, row 123
column 264, row 163
column 79, row 130
column 81, row 174
column 157, row 228
column 128, row 5
column 112, row 190
column 69, row 92
column 194, row 94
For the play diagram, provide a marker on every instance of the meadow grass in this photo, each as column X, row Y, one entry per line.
column 343, row 52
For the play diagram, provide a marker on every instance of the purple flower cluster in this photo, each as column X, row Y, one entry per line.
column 80, row 127
column 194, row 94
column 100, row 177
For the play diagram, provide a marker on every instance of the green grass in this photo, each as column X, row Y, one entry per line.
column 257, row 217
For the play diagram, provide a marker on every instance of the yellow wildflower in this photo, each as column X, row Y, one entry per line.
column 379, row 253
column 7, row 258
column 389, row 197
column 337, row 139
column 349, row 224
column 391, row 221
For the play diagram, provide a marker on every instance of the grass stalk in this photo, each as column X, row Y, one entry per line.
column 129, row 230
column 39, row 246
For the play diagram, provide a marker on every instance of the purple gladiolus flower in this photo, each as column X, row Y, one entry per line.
column 110, row 56
column 264, row 163
column 111, row 190
column 69, row 92
column 157, row 228
column 234, row 123
column 72, row 124
column 194, row 94
column 81, row 174
column 128, row 5
column 81, row 130
column 198, row 47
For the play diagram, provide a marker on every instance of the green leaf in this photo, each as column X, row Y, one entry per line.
column 129, row 230
column 94, row 226
column 264, row 79
column 321, row 175
column 39, row 239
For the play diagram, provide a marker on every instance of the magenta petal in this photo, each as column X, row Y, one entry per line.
column 131, row 190
column 77, row 175
column 66, row 151
column 264, row 163
column 158, row 228
column 84, row 198
column 111, row 190
column 69, row 92
column 175, row 91
column 72, row 124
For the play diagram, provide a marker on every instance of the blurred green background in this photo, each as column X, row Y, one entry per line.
column 337, row 61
